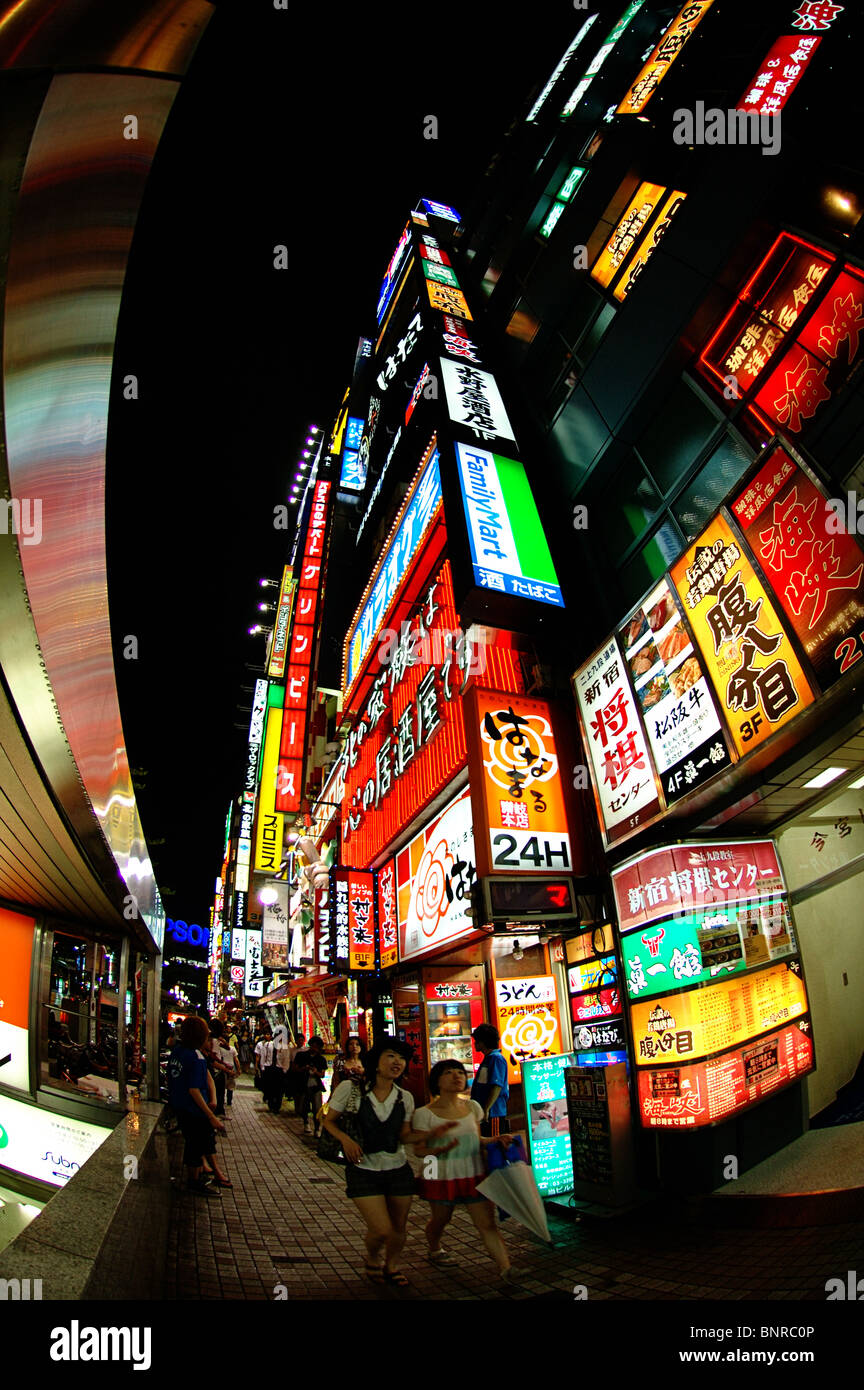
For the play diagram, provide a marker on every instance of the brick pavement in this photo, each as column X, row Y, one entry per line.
column 286, row 1222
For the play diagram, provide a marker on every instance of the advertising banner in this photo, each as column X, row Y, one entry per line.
column 274, row 925
column 254, row 983
column 719, row 1016
column 754, row 670
column 692, row 878
column 474, row 401
column 601, row 1003
column 43, row 1145
column 16, row 950
column 282, row 624
column 527, row 1020
column 509, row 551
column 695, row 950
column 813, row 566
column 623, row 771
column 663, row 56
column 388, row 925
column 434, row 873
column 521, row 816
column 701, row 1094
column 548, row 1127
column 678, row 710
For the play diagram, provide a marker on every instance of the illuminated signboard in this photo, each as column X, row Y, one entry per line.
column 600, row 57
column 565, row 195
column 238, row 944
column 757, row 676
column 400, row 354
column 622, row 770
column 388, row 924
column 43, row 1145
column 667, row 50
column 434, row 874
column 447, row 298
column 548, row 1126
column 779, row 74
column 681, row 722
column 441, row 210
column 301, row 649
column 648, row 245
column 813, row 566
column 352, row 919
column 415, row 518
column 595, row 974
column 717, row 1017
column 600, row 1003
column 696, row 950
column 527, row 1020
column 274, row 929
column 474, row 401
column 16, row 935
column 354, row 461
column 519, row 800
column 392, row 273
column 279, row 645
column 627, row 233
column 568, row 54
column 694, row 878
column 254, row 975
column 509, row 552
column 703, row 1093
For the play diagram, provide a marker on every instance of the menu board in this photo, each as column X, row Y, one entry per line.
column 624, row 776
column 751, row 662
column 718, row 1016
column 590, row 1130
column 548, row 1126
column 813, row 566
column 678, row 1097
column 694, row 877
column 681, row 722
column 695, row 950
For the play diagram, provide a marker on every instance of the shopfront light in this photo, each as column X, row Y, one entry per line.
column 829, row 775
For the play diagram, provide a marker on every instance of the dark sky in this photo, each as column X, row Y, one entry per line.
column 307, row 132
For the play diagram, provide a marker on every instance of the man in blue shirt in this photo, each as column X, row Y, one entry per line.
column 491, row 1089
column 188, row 1085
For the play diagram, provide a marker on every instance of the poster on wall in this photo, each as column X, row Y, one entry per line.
column 750, row 660
column 434, row 874
column 42, row 1145
column 16, row 936
column 814, row 567
column 681, row 721
column 624, row 776
column 527, row 1020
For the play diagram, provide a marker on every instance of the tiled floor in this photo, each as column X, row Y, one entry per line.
column 286, row 1230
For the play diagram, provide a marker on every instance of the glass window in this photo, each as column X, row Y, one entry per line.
column 627, row 507
column 81, row 1017
column 652, row 561
column 672, row 442
column 698, row 503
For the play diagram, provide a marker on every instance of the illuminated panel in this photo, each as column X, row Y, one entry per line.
column 158, row 36
column 16, row 950
column 509, row 551
column 668, row 49
column 287, row 590
column 779, row 74
column 649, row 244
column 65, row 276
column 694, row 877
column 600, row 57
column 568, row 54
column 528, row 1021
column 627, row 233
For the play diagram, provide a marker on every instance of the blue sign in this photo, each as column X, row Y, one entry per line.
column 195, row 935
column 548, row 1125
column 353, row 474
column 353, row 432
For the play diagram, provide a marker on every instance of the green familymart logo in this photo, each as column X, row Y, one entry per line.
column 4, row 1138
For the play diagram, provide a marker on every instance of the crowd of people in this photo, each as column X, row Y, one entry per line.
column 393, row 1150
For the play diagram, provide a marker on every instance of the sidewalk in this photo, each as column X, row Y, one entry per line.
column 287, row 1229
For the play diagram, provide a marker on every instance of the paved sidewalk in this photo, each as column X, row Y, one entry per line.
column 287, row 1225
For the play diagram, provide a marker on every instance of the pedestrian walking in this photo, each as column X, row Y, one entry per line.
column 450, row 1179
column 348, row 1063
column 313, row 1065
column 189, row 1093
column 296, row 1076
column 491, row 1088
column 378, row 1176
column 244, row 1050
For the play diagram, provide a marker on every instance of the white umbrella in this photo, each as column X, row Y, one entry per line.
column 514, row 1190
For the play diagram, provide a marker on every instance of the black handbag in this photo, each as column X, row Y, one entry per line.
column 329, row 1147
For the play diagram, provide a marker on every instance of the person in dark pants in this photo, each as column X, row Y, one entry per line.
column 187, row 1091
column 313, row 1065
column 491, row 1088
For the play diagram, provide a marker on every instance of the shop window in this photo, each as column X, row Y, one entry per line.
column 672, row 442
column 81, row 1019
column 702, row 498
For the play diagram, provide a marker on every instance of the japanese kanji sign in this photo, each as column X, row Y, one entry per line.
column 527, row 1020
column 779, row 74
column 622, row 767
column 352, row 919
column 388, row 926
column 628, row 232
column 681, row 722
column 718, row 1017
column 689, row 1096
column 520, row 812
column 754, row 670
column 279, row 645
column 695, row 950
column 664, row 55
column 693, row 878
column 815, row 569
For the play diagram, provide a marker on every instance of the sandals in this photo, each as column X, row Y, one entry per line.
column 374, row 1273
column 223, row 1182
column 395, row 1276
column 442, row 1260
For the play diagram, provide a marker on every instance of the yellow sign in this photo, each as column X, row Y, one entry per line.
column 628, row 232
column 748, row 657
column 527, row 1021
column 663, row 57
column 448, row 298
column 268, row 840
column 649, row 244
column 680, row 1027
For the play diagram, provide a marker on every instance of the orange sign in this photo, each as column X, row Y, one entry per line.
column 520, row 816
column 664, row 55
column 628, row 232
column 748, row 656
column 649, row 244
column 681, row 1027
column 16, row 949
column 527, row 1021
column 447, row 298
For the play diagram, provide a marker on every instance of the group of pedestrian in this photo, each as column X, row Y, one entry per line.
column 447, row 1146
column 295, row 1070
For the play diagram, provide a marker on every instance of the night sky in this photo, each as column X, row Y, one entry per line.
column 307, row 133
